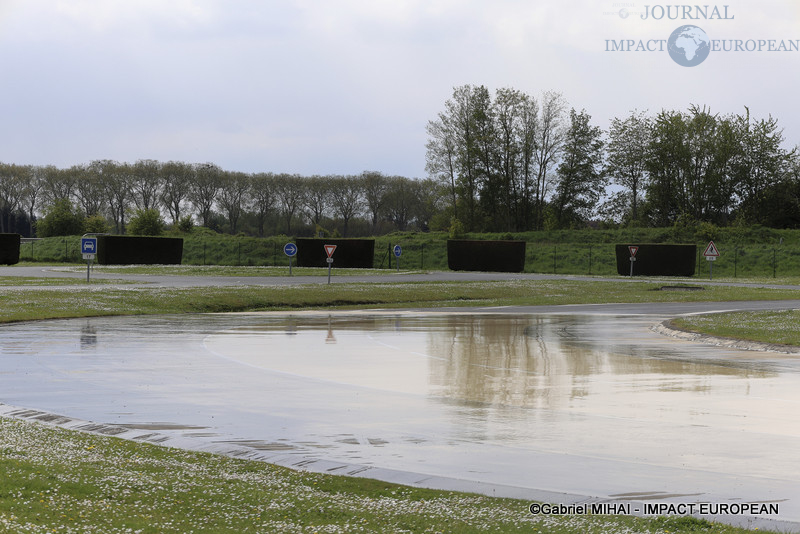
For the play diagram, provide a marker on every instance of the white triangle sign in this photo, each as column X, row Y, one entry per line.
column 711, row 250
column 633, row 250
column 329, row 249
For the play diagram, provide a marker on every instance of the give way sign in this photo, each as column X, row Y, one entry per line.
column 329, row 250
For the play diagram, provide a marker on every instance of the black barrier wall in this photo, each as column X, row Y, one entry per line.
column 9, row 249
column 350, row 253
column 497, row 256
column 657, row 260
column 139, row 250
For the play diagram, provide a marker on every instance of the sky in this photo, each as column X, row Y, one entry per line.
column 343, row 86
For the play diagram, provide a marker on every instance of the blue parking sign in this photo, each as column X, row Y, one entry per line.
column 89, row 245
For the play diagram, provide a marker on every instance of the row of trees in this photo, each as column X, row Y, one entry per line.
column 218, row 199
column 514, row 162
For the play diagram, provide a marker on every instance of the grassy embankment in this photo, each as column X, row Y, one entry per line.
column 55, row 480
column 749, row 252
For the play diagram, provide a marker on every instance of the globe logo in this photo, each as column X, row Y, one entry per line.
column 623, row 13
column 688, row 46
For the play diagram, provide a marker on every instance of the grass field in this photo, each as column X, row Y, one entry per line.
column 59, row 481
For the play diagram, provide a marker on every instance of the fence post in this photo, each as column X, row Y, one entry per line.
column 774, row 265
column 555, row 247
column 735, row 259
column 422, row 257
column 204, row 253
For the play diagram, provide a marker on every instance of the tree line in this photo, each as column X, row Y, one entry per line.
column 515, row 162
column 109, row 193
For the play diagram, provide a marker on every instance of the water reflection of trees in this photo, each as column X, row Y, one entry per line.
column 543, row 361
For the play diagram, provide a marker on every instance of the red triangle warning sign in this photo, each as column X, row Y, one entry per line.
column 329, row 249
column 711, row 250
column 633, row 250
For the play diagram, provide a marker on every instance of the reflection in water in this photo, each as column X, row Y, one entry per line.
column 538, row 361
column 88, row 336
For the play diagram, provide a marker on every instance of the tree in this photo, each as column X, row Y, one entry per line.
column 146, row 180
column 146, row 222
column 375, row 186
column 316, row 197
column 89, row 190
column 262, row 191
column 581, row 181
column 233, row 196
column 177, row 179
column 31, row 194
column 401, row 201
column 203, row 191
column 115, row 178
column 12, row 190
column 628, row 145
column 760, row 164
column 346, row 194
column 61, row 218
column 57, row 183
column 549, row 137
column 289, row 194
column 441, row 157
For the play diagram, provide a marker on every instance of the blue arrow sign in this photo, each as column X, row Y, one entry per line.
column 290, row 249
column 88, row 245
column 397, row 250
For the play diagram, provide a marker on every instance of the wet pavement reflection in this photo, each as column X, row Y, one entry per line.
column 592, row 404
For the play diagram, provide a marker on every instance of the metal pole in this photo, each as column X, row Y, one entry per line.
column 88, row 267
column 711, row 270
column 735, row 255
column 329, row 272
column 590, row 259
column 290, row 266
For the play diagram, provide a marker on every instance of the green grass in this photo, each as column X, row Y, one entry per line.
column 63, row 481
column 780, row 327
column 756, row 252
column 82, row 300
column 220, row 270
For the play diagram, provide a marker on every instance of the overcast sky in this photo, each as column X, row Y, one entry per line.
column 342, row 86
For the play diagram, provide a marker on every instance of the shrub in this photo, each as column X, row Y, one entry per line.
column 96, row 224
column 146, row 222
column 62, row 218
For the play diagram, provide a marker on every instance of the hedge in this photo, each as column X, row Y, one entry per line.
column 350, row 253
column 657, row 260
column 9, row 248
column 139, row 250
column 496, row 256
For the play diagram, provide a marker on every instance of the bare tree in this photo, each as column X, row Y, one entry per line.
column 628, row 143
column 375, row 187
column 549, row 142
column 289, row 194
column 317, row 197
column 146, row 184
column 204, row 190
column 177, row 179
column 31, row 194
column 89, row 190
column 233, row 196
column 263, row 193
column 116, row 178
column 347, row 194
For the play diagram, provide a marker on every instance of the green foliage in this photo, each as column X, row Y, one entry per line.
column 96, row 224
column 456, row 229
column 185, row 224
column 62, row 218
column 146, row 222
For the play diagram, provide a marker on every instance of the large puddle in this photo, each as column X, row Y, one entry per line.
column 584, row 404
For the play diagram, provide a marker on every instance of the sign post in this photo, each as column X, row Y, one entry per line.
column 633, row 249
column 329, row 250
column 397, row 252
column 711, row 254
column 89, row 250
column 290, row 249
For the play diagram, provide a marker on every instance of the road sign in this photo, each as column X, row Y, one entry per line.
column 290, row 249
column 329, row 250
column 711, row 253
column 397, row 251
column 88, row 245
column 329, row 260
column 633, row 250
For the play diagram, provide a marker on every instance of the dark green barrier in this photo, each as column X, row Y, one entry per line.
column 657, row 260
column 139, row 250
column 350, row 253
column 496, row 256
column 9, row 249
